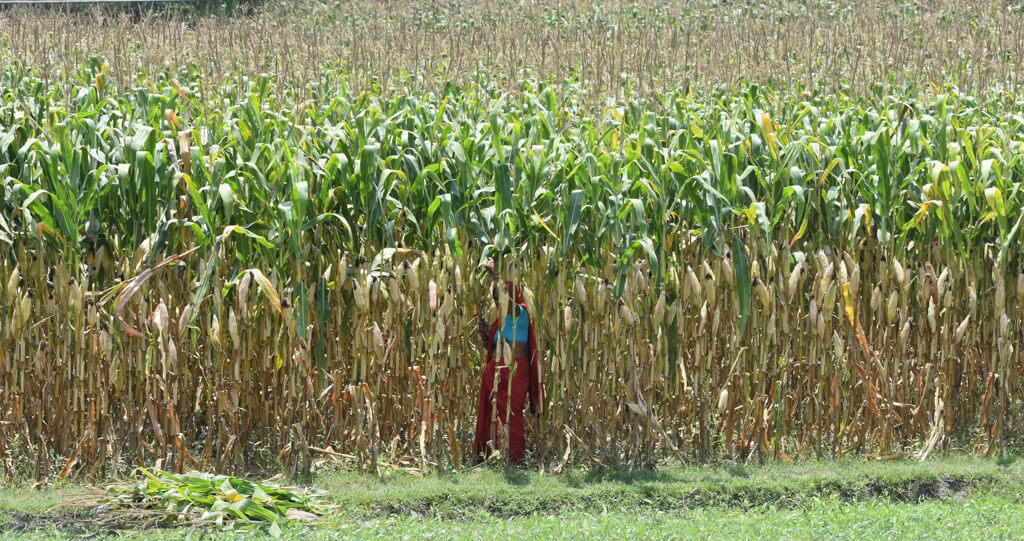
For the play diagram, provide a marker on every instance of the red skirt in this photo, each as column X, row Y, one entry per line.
column 505, row 403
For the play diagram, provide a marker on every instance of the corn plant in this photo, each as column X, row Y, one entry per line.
column 217, row 276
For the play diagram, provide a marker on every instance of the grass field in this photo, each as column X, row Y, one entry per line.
column 985, row 518
column 962, row 498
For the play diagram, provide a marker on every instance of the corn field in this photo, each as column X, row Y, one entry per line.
column 224, row 276
column 606, row 48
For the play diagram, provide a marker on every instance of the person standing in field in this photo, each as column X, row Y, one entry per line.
column 511, row 374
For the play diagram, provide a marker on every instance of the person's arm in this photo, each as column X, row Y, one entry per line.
column 484, row 327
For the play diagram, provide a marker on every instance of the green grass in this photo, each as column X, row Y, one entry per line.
column 34, row 501
column 991, row 518
column 959, row 498
column 516, row 493
column 984, row 518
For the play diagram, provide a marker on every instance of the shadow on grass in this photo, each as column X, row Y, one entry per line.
column 449, row 477
column 1006, row 460
column 631, row 476
column 651, row 492
column 738, row 471
column 626, row 476
column 517, row 477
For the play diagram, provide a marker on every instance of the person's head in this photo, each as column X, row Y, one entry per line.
column 505, row 295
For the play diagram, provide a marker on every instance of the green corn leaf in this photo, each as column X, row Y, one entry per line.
column 741, row 268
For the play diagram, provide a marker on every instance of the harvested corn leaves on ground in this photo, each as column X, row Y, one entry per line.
column 221, row 499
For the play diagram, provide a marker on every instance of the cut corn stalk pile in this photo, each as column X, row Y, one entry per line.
column 219, row 277
column 227, row 501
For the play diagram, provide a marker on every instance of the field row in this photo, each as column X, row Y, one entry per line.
column 607, row 49
column 97, row 171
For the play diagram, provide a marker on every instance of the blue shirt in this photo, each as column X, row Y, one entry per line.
column 516, row 329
